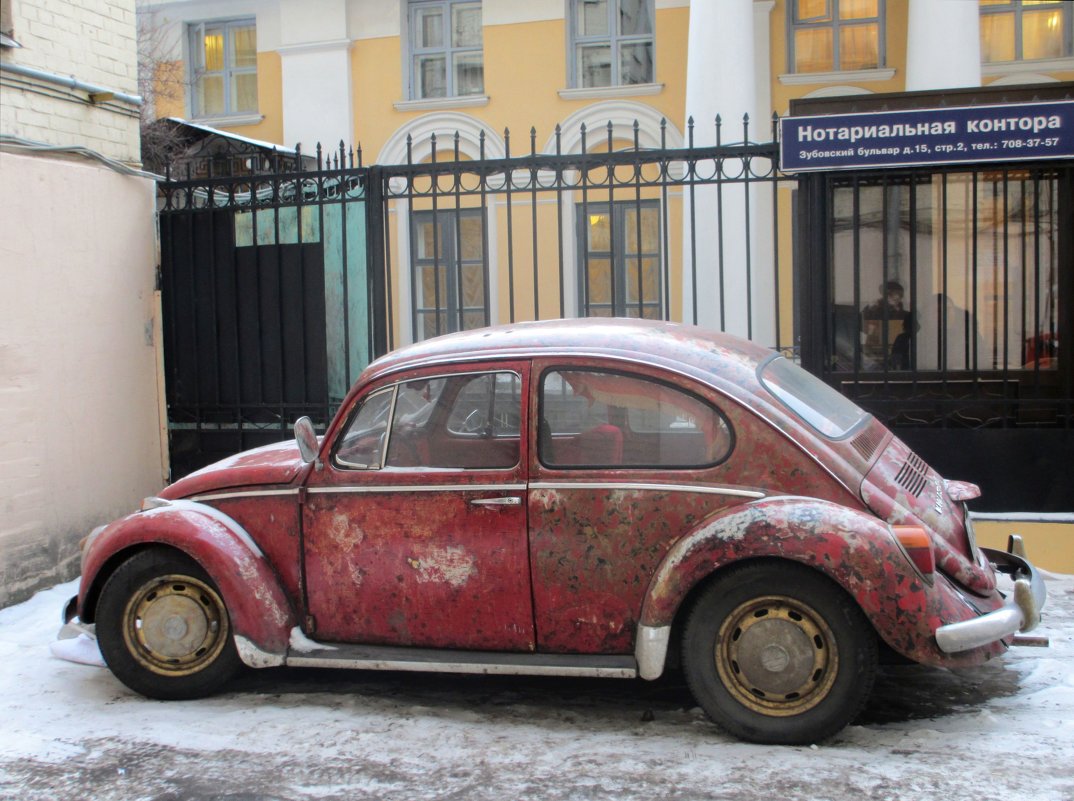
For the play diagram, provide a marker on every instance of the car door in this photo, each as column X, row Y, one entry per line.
column 626, row 461
column 415, row 528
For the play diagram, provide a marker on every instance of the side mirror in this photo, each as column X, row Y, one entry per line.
column 306, row 438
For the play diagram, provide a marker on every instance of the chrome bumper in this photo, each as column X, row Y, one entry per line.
column 1020, row 612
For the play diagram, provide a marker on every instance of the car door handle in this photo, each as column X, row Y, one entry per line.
column 506, row 500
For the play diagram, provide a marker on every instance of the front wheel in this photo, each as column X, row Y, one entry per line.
column 776, row 653
column 163, row 628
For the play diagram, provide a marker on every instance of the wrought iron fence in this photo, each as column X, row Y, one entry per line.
column 280, row 286
column 942, row 295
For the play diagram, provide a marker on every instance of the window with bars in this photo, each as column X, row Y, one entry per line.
column 611, row 42
column 836, row 35
column 954, row 271
column 450, row 280
column 1026, row 30
column 619, row 254
column 446, row 54
column 223, row 67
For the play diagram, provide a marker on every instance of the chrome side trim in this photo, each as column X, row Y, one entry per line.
column 443, row 660
column 213, row 513
column 222, row 496
column 613, row 485
column 254, row 657
column 488, row 668
column 1020, row 612
column 651, row 650
column 419, row 488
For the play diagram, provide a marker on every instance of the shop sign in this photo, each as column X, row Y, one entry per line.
column 952, row 135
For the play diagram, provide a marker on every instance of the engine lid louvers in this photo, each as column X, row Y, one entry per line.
column 866, row 443
column 913, row 475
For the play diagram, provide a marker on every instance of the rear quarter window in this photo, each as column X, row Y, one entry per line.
column 593, row 418
column 810, row 399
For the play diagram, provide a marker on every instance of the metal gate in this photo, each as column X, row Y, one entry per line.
column 266, row 303
column 280, row 287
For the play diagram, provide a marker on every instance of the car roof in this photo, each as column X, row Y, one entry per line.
column 716, row 358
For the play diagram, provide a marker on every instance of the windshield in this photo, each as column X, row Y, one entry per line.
column 810, row 398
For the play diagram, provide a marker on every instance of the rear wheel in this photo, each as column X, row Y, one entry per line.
column 776, row 653
column 163, row 628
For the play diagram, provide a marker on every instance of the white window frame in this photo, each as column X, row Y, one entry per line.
column 196, row 57
column 618, row 256
column 454, row 312
column 1016, row 7
column 832, row 20
column 614, row 40
column 414, row 52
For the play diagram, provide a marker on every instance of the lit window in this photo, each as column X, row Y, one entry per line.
column 611, row 42
column 446, row 56
column 450, row 271
column 619, row 252
column 833, row 35
column 1025, row 30
column 223, row 58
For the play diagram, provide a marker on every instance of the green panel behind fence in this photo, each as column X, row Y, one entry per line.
column 343, row 227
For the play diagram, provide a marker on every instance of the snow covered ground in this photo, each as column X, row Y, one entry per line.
column 1004, row 731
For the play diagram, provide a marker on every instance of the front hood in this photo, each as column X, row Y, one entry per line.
column 269, row 465
column 903, row 490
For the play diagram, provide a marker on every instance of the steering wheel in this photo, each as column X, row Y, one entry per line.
column 475, row 423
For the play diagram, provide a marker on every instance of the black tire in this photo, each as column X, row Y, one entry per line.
column 777, row 653
column 163, row 628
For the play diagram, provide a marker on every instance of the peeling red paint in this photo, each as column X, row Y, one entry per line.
column 566, row 560
column 259, row 609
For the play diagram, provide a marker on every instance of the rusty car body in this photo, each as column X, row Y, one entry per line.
column 587, row 497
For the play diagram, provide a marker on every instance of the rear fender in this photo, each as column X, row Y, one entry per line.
column 261, row 616
column 854, row 549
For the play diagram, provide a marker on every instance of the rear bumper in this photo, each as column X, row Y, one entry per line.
column 1020, row 611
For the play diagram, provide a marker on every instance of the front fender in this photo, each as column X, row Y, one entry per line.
column 853, row 548
column 261, row 616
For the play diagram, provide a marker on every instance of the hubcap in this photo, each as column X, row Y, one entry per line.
column 175, row 625
column 777, row 656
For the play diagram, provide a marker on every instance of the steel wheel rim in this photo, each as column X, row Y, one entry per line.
column 175, row 625
column 777, row 656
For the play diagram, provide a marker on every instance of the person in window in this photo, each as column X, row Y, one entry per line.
column 886, row 325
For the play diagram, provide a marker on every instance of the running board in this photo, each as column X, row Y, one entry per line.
column 429, row 660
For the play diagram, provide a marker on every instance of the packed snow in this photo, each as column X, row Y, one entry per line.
column 1003, row 731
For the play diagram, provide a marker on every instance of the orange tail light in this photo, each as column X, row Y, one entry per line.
column 918, row 547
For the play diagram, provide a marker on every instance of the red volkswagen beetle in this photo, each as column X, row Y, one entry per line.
column 575, row 498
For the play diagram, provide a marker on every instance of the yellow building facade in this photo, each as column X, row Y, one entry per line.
column 392, row 75
column 529, row 73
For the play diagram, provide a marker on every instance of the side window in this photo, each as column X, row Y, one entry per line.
column 464, row 422
column 601, row 419
column 362, row 444
column 488, row 405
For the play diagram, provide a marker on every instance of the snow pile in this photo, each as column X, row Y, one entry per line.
column 1003, row 731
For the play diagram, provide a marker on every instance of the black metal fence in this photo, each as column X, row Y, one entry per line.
column 266, row 306
column 942, row 294
column 279, row 287
column 936, row 298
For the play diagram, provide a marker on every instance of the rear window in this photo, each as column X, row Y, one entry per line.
column 809, row 398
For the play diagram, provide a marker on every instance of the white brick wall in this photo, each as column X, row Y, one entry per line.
column 94, row 41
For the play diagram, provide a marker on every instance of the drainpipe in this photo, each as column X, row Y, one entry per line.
column 97, row 94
